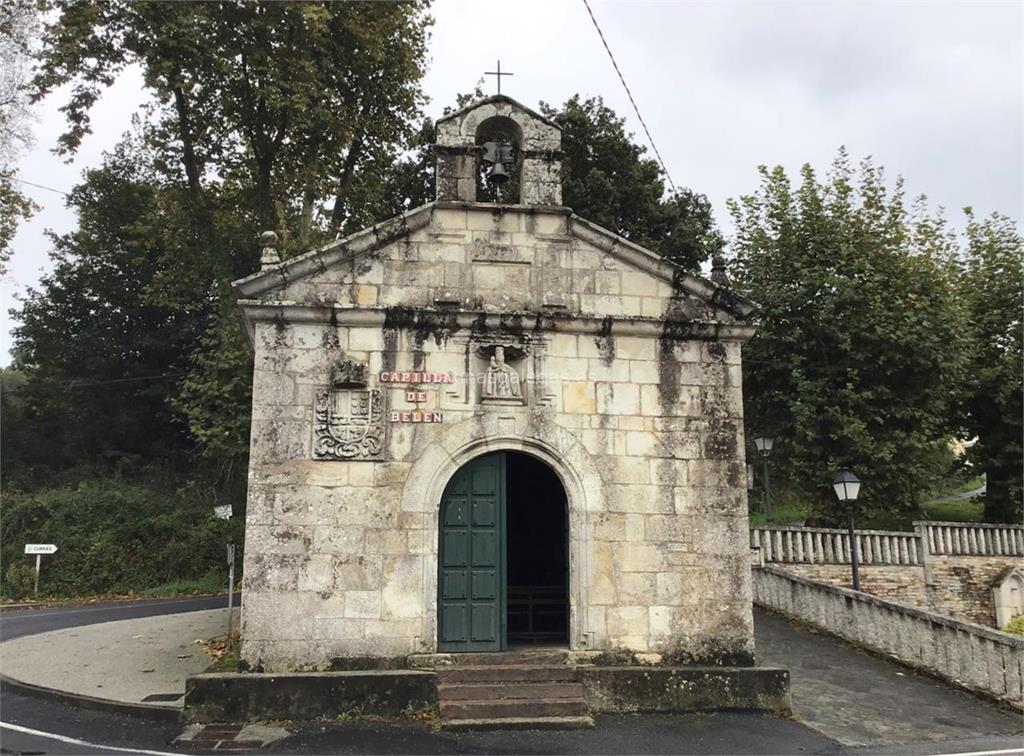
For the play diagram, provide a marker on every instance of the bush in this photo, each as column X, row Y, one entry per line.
column 111, row 537
column 1015, row 625
column 19, row 579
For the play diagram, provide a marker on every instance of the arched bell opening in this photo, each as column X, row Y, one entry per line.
column 503, row 560
column 499, row 142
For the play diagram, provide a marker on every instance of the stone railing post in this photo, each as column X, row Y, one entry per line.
column 921, row 528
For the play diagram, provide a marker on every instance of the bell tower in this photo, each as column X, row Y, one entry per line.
column 507, row 140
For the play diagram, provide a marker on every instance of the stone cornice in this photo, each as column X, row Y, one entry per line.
column 342, row 250
column 331, row 254
column 254, row 311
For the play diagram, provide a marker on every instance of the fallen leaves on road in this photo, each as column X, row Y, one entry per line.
column 217, row 647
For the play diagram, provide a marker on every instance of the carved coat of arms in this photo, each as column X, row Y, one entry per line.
column 349, row 418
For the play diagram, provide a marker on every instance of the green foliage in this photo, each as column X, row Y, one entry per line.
column 992, row 287
column 212, row 582
column 859, row 351
column 265, row 115
column 285, row 99
column 606, row 179
column 97, row 357
column 1015, row 625
column 112, row 538
column 14, row 208
column 791, row 511
column 19, row 26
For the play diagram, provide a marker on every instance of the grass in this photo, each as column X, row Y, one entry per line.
column 190, row 587
column 783, row 512
column 204, row 586
column 961, row 510
column 789, row 512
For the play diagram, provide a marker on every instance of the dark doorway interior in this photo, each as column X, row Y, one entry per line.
column 538, row 569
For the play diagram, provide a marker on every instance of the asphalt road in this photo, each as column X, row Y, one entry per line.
column 46, row 715
column 33, row 726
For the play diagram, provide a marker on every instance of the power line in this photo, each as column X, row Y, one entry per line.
column 629, row 94
column 87, row 384
column 40, row 186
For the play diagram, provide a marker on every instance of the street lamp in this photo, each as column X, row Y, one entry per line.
column 764, row 446
column 847, row 486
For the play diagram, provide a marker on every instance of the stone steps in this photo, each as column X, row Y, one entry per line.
column 496, row 691
column 500, row 674
column 510, row 658
column 520, row 708
column 514, row 690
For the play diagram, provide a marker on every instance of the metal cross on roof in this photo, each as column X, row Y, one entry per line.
column 499, row 73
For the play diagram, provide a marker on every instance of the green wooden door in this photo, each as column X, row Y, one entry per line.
column 471, row 563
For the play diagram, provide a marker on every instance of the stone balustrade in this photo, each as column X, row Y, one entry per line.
column 797, row 545
column 972, row 656
column 832, row 546
column 972, row 539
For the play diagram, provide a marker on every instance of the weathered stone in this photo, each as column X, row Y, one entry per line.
column 374, row 384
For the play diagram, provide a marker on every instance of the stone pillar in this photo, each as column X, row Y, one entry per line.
column 541, row 178
column 926, row 553
column 456, row 172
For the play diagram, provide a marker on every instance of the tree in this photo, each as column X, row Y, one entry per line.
column 285, row 98
column 992, row 286
column 99, row 357
column 607, row 179
column 858, row 356
column 265, row 115
column 19, row 21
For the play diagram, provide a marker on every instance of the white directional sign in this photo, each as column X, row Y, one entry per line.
column 40, row 548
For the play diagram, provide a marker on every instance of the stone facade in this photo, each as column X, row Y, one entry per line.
column 371, row 355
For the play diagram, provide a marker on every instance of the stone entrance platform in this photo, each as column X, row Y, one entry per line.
column 477, row 690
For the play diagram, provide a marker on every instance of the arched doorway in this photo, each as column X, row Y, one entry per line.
column 503, row 569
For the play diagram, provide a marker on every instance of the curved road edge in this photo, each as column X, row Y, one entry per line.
column 35, row 621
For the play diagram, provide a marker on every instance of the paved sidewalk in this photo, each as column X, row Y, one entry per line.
column 863, row 700
column 853, row 697
column 124, row 661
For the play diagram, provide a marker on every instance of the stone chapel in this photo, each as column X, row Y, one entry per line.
column 488, row 425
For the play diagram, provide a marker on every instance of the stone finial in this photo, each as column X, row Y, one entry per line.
column 269, row 256
column 719, row 274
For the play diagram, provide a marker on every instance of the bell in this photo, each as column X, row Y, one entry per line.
column 498, row 175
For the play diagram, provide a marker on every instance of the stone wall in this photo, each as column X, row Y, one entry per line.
column 960, row 585
column 978, row 658
column 642, row 423
column 901, row 583
column 943, row 567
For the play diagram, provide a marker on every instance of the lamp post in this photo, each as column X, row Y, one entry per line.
column 847, row 486
column 764, row 446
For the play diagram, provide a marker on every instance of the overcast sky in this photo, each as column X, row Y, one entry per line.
column 933, row 91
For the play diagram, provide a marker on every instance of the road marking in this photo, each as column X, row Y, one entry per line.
column 983, row 753
column 86, row 743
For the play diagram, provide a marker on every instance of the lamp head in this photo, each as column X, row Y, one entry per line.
column 846, row 486
column 764, row 444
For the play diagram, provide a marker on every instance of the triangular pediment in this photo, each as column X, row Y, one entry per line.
column 459, row 253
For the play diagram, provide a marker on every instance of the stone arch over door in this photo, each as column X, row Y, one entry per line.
column 439, row 458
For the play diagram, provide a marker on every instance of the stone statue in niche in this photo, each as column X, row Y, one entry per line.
column 348, row 420
column 501, row 381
